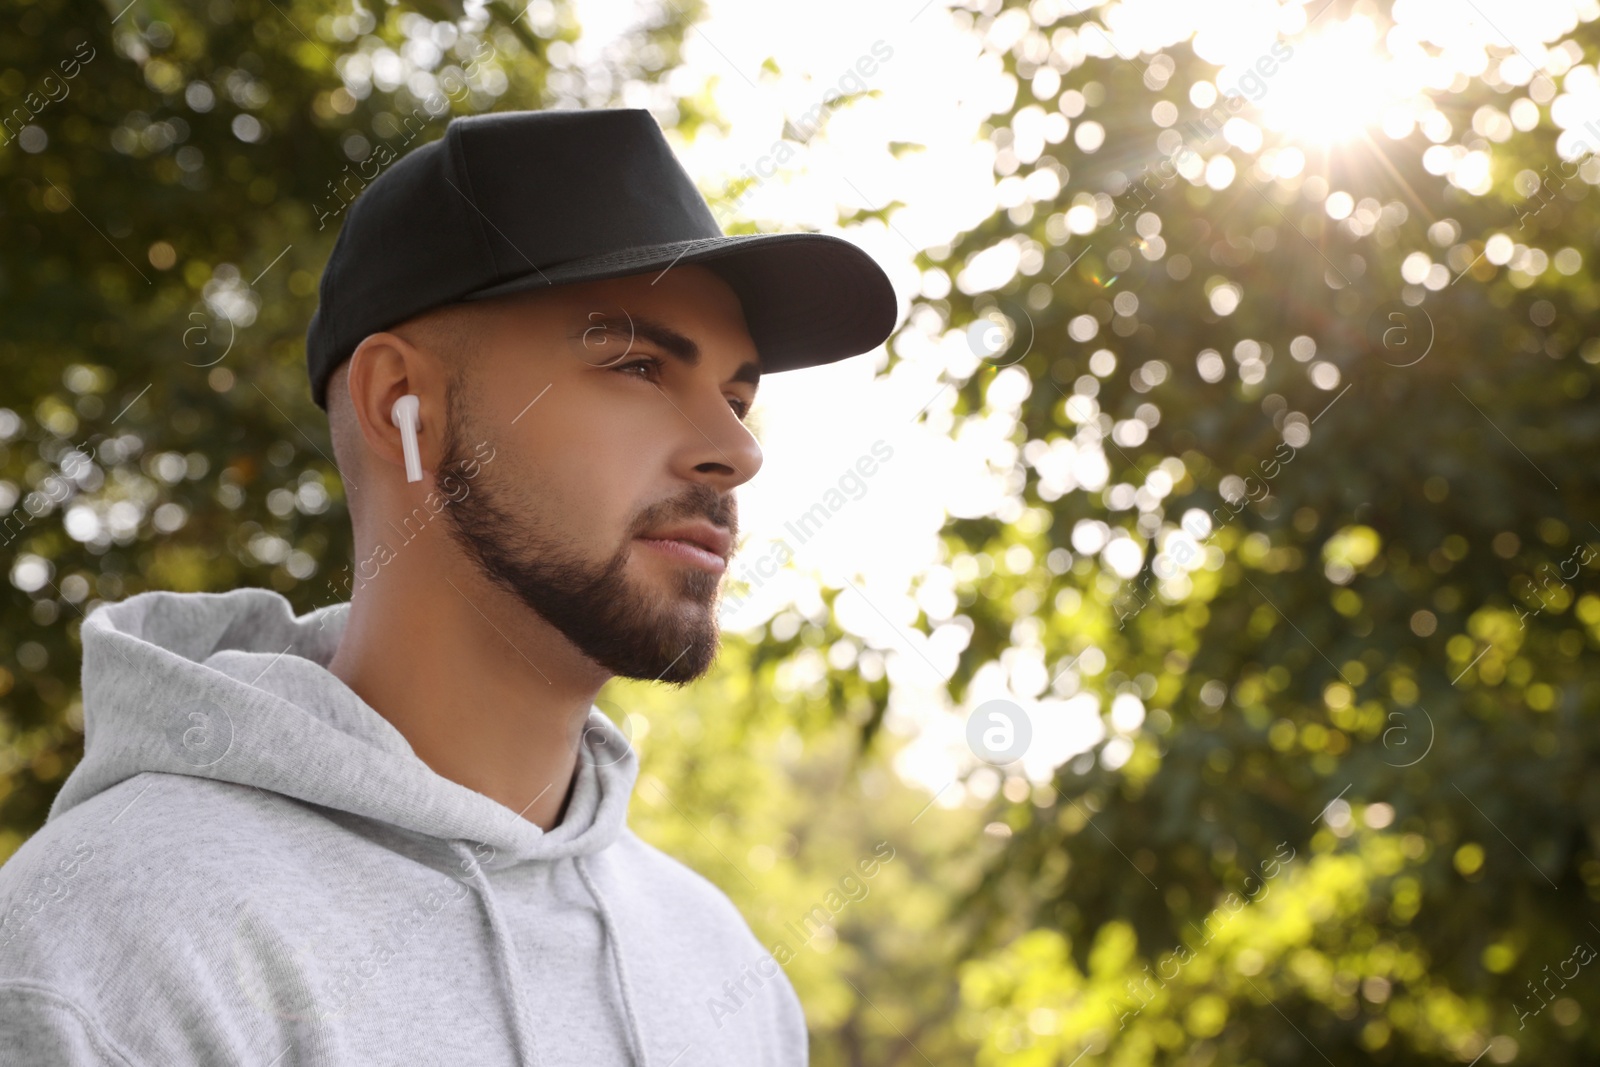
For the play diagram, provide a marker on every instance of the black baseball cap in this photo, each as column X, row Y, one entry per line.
column 518, row 200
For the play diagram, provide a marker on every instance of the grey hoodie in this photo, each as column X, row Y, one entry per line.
column 251, row 866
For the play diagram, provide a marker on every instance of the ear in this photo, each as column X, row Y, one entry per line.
column 383, row 368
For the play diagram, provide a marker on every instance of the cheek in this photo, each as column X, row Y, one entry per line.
column 589, row 478
column 588, row 455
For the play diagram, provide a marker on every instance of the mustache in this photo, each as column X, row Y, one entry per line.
column 702, row 502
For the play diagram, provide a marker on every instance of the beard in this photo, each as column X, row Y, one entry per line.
column 632, row 631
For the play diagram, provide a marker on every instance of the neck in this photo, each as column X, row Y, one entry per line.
column 487, row 693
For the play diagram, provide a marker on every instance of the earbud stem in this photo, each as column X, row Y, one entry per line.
column 404, row 416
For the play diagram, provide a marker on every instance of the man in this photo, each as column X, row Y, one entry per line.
column 393, row 830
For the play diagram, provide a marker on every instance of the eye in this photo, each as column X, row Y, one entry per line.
column 651, row 363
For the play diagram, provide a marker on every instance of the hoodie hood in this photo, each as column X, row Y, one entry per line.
column 234, row 686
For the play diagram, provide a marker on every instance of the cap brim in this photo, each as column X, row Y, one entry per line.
column 808, row 298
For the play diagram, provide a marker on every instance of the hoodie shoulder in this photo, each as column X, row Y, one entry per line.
column 159, row 916
column 129, row 892
column 679, row 893
column 150, row 869
column 40, row 1025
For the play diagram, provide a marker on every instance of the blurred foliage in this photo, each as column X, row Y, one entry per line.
column 1367, row 689
column 1379, row 658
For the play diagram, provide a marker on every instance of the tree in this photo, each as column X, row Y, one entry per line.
column 1308, row 437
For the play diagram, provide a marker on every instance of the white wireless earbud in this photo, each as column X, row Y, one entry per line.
column 404, row 415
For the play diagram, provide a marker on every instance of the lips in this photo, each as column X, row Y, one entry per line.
column 713, row 539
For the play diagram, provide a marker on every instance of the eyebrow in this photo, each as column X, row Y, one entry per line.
column 667, row 339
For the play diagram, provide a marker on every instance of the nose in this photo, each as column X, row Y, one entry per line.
column 718, row 447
